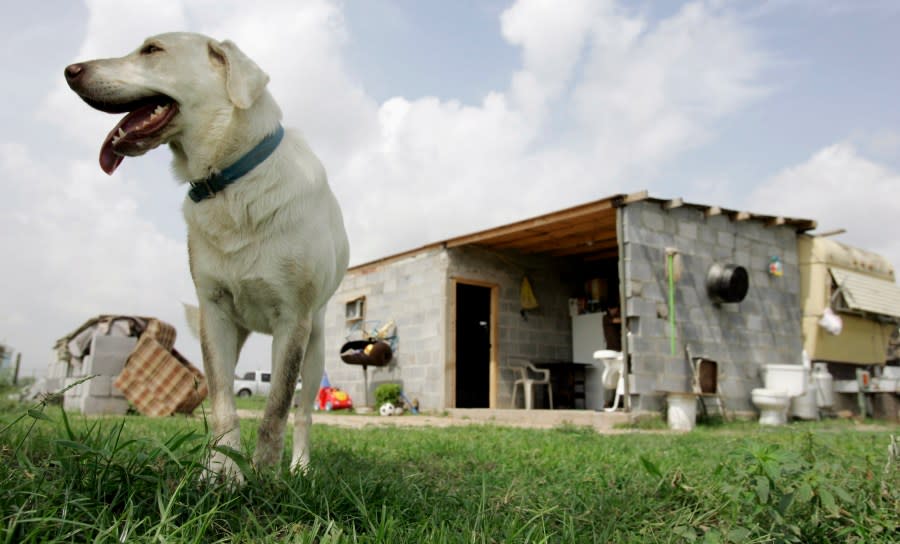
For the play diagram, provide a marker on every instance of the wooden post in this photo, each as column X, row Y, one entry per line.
column 15, row 379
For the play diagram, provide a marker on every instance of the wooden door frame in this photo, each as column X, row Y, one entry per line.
column 494, row 366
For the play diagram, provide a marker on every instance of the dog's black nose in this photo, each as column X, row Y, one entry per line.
column 74, row 71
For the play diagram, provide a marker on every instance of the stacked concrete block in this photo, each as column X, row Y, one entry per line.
column 98, row 395
column 411, row 291
column 415, row 292
column 73, row 392
column 741, row 337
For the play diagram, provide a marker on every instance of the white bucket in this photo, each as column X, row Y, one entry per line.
column 804, row 406
column 824, row 385
column 682, row 412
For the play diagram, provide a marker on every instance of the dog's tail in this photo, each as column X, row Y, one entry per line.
column 192, row 315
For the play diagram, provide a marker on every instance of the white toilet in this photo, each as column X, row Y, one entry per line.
column 782, row 383
column 613, row 370
column 772, row 404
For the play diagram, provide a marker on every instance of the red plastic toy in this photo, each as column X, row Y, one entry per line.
column 332, row 398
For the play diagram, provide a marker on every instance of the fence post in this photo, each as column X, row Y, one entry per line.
column 15, row 379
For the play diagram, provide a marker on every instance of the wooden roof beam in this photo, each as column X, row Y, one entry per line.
column 601, row 255
column 591, row 246
column 584, row 250
column 577, row 240
column 564, row 230
column 623, row 200
column 595, row 242
column 672, row 204
column 803, row 225
column 537, row 222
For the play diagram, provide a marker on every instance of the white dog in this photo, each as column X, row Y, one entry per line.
column 266, row 239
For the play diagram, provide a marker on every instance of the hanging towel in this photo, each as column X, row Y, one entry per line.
column 526, row 295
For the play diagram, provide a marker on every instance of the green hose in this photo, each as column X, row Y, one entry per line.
column 670, row 261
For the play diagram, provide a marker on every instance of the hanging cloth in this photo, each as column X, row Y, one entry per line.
column 526, row 295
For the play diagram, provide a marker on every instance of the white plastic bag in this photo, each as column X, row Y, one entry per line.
column 831, row 322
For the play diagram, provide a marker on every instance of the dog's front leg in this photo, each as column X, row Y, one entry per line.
column 311, row 373
column 289, row 345
column 221, row 340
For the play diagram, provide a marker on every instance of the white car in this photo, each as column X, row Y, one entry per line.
column 255, row 382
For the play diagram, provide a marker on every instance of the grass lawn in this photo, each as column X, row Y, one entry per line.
column 137, row 479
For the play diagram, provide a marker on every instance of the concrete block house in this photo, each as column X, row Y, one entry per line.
column 601, row 275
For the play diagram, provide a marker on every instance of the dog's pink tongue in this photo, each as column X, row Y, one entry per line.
column 109, row 159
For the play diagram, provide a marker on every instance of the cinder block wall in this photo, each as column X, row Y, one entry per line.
column 547, row 332
column 741, row 337
column 411, row 292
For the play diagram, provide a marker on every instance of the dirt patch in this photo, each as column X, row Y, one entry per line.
column 535, row 419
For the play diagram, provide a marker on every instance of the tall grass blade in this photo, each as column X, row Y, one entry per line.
column 38, row 414
column 650, row 467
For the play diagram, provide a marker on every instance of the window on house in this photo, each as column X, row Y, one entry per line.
column 355, row 309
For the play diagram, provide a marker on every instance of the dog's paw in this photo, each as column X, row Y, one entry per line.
column 222, row 469
column 300, row 464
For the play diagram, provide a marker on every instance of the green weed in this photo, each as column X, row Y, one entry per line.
column 134, row 479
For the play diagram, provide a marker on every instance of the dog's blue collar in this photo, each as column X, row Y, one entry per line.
column 207, row 188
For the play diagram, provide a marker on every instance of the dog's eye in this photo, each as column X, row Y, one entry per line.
column 149, row 49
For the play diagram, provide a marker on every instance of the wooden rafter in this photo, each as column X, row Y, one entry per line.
column 587, row 231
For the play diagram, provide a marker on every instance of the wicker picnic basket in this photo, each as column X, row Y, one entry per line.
column 157, row 379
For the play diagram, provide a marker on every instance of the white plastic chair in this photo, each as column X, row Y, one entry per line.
column 528, row 384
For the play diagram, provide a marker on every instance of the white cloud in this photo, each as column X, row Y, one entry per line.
column 840, row 189
column 602, row 96
column 300, row 45
column 77, row 248
column 651, row 92
column 602, row 99
column 551, row 40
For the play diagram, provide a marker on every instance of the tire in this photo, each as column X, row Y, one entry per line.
column 244, row 393
column 328, row 406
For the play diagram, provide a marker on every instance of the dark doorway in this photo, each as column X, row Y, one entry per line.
column 473, row 346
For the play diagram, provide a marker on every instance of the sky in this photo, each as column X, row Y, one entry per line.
column 436, row 119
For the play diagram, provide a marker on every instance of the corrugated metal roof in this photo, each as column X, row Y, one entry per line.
column 866, row 293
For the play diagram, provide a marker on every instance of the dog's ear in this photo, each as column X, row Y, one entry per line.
column 244, row 80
